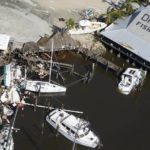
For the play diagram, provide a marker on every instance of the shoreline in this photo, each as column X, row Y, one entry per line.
column 36, row 18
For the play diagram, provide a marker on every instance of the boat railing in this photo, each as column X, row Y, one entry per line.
column 65, row 118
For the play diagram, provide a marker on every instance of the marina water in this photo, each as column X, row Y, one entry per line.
column 122, row 122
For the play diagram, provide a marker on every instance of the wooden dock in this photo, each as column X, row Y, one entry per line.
column 64, row 42
column 108, row 65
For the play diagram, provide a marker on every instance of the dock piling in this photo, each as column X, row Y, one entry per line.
column 36, row 100
column 108, row 65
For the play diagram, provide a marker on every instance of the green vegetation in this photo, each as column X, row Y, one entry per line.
column 70, row 23
column 124, row 10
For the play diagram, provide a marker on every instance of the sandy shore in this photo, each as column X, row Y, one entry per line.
column 67, row 9
column 70, row 8
column 58, row 5
column 27, row 20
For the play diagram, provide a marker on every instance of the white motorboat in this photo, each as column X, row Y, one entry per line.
column 43, row 86
column 73, row 128
column 86, row 26
column 6, row 138
column 131, row 79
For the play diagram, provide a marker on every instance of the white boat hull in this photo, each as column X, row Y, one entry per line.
column 43, row 87
column 126, row 86
column 89, row 29
column 88, row 139
column 77, row 141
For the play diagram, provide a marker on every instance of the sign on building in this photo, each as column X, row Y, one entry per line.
column 140, row 25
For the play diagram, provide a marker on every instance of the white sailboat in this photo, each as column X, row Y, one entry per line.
column 131, row 79
column 73, row 128
column 86, row 26
column 43, row 86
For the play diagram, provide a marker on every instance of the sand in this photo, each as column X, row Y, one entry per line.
column 69, row 8
column 22, row 27
column 27, row 20
column 73, row 4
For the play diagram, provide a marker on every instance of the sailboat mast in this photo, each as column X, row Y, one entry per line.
column 50, row 69
column 25, row 76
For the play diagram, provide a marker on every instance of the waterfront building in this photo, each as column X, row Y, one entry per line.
column 130, row 36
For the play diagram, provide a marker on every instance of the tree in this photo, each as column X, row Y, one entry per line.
column 70, row 23
column 124, row 10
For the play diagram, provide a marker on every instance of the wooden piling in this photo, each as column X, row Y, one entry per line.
column 101, row 61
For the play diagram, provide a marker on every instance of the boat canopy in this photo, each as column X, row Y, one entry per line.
column 131, row 72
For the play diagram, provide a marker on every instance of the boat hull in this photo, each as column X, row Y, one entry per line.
column 43, row 87
column 89, row 29
column 126, row 87
column 65, row 133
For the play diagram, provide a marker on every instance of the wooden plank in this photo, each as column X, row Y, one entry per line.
column 101, row 60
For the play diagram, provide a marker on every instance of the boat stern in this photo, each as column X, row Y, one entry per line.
column 124, row 89
column 90, row 140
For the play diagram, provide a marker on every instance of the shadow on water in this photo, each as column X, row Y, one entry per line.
column 29, row 137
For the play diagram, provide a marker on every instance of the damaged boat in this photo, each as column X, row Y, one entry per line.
column 6, row 138
column 43, row 86
column 73, row 128
column 131, row 79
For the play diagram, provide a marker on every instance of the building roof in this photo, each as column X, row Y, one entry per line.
column 62, row 41
column 132, row 33
column 4, row 41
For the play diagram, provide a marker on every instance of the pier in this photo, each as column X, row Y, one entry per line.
column 108, row 65
column 64, row 42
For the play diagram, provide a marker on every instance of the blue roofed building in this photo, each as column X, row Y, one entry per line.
column 131, row 36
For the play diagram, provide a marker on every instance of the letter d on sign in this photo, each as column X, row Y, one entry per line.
column 145, row 17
